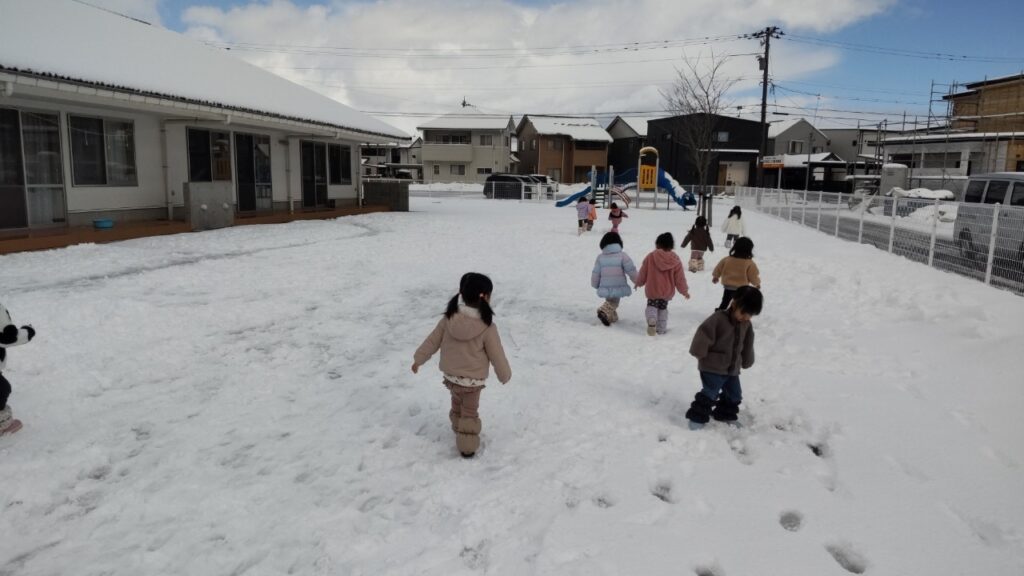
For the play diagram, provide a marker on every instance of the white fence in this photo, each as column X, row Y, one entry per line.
column 523, row 191
column 982, row 241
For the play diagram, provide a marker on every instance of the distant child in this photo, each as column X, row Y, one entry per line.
column 736, row 270
column 700, row 237
column 10, row 336
column 661, row 275
column 469, row 342
column 616, row 215
column 582, row 214
column 733, row 226
column 723, row 344
column 611, row 269
column 592, row 215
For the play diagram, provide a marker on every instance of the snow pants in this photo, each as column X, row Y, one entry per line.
column 465, row 416
column 727, row 294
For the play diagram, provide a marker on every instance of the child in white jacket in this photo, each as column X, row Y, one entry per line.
column 10, row 335
column 733, row 226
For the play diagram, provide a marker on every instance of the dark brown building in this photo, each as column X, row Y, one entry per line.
column 562, row 148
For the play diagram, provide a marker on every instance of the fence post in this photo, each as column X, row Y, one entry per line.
column 522, row 191
column 992, row 242
column 865, row 204
column 839, row 203
column 803, row 210
column 935, row 228
column 818, row 225
column 892, row 225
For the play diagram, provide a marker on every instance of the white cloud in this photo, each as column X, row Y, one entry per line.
column 142, row 9
column 535, row 81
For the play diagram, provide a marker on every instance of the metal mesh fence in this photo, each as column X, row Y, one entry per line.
column 981, row 241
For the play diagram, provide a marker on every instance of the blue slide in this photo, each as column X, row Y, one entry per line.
column 685, row 199
column 572, row 199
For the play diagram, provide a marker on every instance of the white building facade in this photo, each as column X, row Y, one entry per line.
column 101, row 131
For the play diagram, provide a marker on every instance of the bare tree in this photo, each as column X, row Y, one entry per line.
column 700, row 94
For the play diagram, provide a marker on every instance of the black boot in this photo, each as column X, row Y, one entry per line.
column 725, row 410
column 700, row 409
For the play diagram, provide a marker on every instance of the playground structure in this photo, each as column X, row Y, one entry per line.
column 612, row 187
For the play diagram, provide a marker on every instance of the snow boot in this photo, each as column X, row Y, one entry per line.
column 454, row 417
column 700, row 409
column 725, row 410
column 467, row 436
column 8, row 424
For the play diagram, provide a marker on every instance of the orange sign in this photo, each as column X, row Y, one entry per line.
column 648, row 178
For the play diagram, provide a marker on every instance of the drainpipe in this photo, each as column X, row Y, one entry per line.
column 168, row 192
column 288, row 174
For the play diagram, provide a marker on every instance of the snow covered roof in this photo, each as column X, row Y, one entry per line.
column 84, row 44
column 952, row 137
column 587, row 129
column 637, row 124
column 800, row 160
column 468, row 119
column 777, row 128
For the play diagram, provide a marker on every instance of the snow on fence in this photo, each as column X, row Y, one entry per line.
column 981, row 241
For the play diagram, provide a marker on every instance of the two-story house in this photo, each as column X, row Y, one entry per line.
column 466, row 147
column 562, row 148
column 629, row 135
column 795, row 136
column 732, row 152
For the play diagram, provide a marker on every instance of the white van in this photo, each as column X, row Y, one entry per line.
column 974, row 218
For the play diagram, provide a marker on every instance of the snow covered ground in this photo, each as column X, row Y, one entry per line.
column 240, row 402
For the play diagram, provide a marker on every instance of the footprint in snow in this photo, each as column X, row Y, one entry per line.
column 791, row 520
column 713, row 570
column 663, row 491
column 851, row 560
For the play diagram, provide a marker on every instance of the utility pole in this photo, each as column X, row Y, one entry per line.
column 766, row 36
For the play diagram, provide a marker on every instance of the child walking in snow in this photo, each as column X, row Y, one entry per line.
column 700, row 239
column 616, row 215
column 592, row 215
column 733, row 226
column 582, row 214
column 723, row 344
column 468, row 340
column 661, row 275
column 611, row 269
column 10, row 335
column 736, row 270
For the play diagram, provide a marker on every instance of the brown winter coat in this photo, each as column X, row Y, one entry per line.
column 722, row 345
column 735, row 272
column 467, row 345
column 700, row 238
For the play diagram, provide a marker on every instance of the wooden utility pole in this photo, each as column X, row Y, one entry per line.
column 766, row 36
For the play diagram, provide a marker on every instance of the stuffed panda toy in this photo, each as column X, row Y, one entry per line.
column 10, row 335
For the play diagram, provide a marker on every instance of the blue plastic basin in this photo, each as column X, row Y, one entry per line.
column 103, row 224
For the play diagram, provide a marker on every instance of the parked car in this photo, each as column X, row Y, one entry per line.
column 509, row 186
column 973, row 227
column 547, row 185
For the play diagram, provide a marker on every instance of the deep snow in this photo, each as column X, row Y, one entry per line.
column 240, row 401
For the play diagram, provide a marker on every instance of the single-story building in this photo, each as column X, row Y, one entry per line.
column 106, row 116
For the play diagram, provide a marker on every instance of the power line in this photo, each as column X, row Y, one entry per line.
column 903, row 52
column 853, row 98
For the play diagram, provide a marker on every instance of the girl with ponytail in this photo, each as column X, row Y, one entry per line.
column 469, row 343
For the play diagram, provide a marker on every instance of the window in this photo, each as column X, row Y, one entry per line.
column 796, row 147
column 974, row 191
column 555, row 144
column 437, row 169
column 533, row 144
column 854, row 144
column 508, row 142
column 1017, row 198
column 339, row 164
column 483, row 170
column 102, row 152
column 555, row 174
column 721, row 136
column 396, row 156
column 457, row 169
column 486, row 140
column 209, row 156
column 996, row 193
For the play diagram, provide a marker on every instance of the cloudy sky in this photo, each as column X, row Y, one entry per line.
column 841, row 61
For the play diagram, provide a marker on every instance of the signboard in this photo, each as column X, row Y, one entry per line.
column 648, row 179
column 770, row 162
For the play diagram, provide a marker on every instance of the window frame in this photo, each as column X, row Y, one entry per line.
column 452, row 167
column 489, row 139
column 331, row 147
column 106, row 161
column 209, row 140
column 1002, row 197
